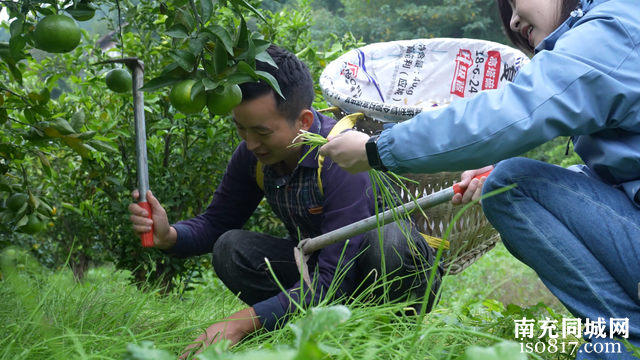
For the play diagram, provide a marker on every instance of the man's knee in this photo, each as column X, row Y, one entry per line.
column 223, row 256
column 394, row 245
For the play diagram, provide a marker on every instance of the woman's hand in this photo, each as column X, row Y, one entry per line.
column 348, row 151
column 473, row 188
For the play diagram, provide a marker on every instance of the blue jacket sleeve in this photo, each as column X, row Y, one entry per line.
column 348, row 198
column 197, row 236
column 571, row 90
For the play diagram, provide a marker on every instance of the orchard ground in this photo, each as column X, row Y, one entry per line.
column 48, row 315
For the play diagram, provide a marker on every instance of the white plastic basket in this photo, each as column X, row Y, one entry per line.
column 395, row 81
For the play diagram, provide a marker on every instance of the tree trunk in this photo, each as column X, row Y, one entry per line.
column 79, row 266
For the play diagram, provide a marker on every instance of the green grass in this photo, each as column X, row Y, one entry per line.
column 501, row 277
column 49, row 316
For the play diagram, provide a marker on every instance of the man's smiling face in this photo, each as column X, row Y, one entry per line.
column 267, row 133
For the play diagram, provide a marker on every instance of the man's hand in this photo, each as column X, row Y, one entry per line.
column 164, row 236
column 348, row 151
column 233, row 328
column 473, row 188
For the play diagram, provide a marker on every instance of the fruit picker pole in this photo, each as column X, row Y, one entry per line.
column 137, row 69
column 303, row 251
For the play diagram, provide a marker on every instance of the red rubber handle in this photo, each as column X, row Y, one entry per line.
column 147, row 238
column 456, row 187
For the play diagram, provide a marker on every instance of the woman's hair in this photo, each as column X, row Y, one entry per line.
column 567, row 6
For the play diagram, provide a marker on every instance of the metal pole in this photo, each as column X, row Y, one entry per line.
column 310, row 245
column 141, row 142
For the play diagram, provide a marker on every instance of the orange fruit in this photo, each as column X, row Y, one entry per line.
column 223, row 103
column 119, row 80
column 35, row 225
column 57, row 34
column 15, row 201
column 180, row 98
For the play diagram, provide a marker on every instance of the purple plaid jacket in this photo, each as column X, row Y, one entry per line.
column 347, row 198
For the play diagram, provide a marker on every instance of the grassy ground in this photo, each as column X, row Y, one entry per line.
column 49, row 316
column 499, row 276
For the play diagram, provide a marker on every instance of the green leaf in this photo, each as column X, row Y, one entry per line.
column 196, row 89
column 22, row 221
column 505, row 350
column 169, row 68
column 251, row 52
column 30, row 116
column 265, row 57
column 42, row 111
column 15, row 28
column 5, row 216
column 80, row 11
column 217, row 32
column 35, row 96
column 260, row 44
column 15, row 72
column 146, row 351
column 317, row 321
column 77, row 120
column 85, row 135
column 206, row 7
column 185, row 59
column 178, row 31
column 245, row 4
column 219, row 58
column 46, row 96
column 209, row 84
column 243, row 35
column 77, row 146
column 45, row 11
column 72, row 208
column 271, row 80
column 185, row 18
column 158, row 83
column 247, row 69
column 48, row 172
column 43, row 159
column 239, row 78
column 196, row 45
column 16, row 45
column 102, row 146
column 62, row 126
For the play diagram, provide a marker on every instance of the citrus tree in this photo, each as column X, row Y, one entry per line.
column 81, row 152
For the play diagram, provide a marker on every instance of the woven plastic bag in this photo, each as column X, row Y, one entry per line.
column 394, row 81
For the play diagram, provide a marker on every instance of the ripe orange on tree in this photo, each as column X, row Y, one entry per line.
column 57, row 34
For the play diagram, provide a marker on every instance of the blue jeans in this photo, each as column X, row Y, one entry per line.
column 580, row 235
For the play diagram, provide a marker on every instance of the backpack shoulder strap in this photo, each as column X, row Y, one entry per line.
column 259, row 175
column 347, row 122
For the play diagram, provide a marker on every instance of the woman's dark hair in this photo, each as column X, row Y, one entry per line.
column 293, row 78
column 516, row 38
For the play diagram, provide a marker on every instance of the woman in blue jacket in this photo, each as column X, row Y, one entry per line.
column 578, row 228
